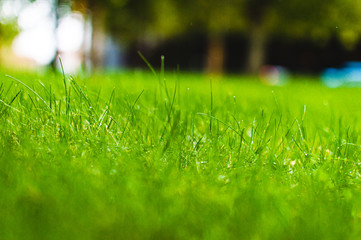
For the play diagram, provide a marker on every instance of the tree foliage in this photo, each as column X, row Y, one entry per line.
column 317, row 19
column 8, row 27
column 8, row 30
column 149, row 20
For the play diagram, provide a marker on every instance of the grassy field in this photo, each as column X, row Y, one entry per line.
column 181, row 156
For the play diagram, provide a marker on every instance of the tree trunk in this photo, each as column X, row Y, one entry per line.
column 54, row 62
column 98, row 39
column 86, row 49
column 215, row 55
column 257, row 49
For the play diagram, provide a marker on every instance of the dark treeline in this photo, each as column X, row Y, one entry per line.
column 302, row 56
column 218, row 36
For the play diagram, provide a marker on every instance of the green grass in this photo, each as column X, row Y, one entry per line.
column 133, row 156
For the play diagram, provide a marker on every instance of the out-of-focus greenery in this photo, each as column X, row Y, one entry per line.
column 260, row 20
column 134, row 156
column 8, row 30
column 150, row 22
column 309, row 19
column 320, row 19
column 131, row 22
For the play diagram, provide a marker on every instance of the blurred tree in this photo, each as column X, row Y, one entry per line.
column 153, row 21
column 317, row 20
column 260, row 20
column 8, row 27
column 214, row 18
column 58, row 10
column 129, row 21
column 8, row 30
column 95, row 12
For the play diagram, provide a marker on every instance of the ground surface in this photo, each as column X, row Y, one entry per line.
column 131, row 156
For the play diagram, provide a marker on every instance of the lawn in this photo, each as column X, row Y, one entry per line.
column 177, row 156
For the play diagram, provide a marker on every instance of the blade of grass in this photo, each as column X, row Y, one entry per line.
column 36, row 94
column 149, row 65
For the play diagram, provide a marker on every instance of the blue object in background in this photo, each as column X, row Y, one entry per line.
column 349, row 75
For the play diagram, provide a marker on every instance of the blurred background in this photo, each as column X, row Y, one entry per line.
column 212, row 36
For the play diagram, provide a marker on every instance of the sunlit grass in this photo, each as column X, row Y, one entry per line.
column 184, row 156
